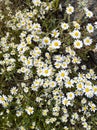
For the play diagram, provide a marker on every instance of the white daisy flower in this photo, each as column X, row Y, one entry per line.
column 69, row 83
column 70, row 95
column 46, row 72
column 90, row 28
column 14, row 91
column 87, row 41
column 65, row 102
column 55, row 33
column 29, row 110
column 46, row 41
column 34, row 87
column 36, row 2
column 78, row 44
column 88, row 91
column 63, row 74
column 28, row 62
column 57, row 65
column 56, row 44
column 76, row 25
column 52, row 84
column 93, row 107
column 3, row 98
column 76, row 34
column 64, row 26
column 69, row 9
column 89, row 13
column 80, row 86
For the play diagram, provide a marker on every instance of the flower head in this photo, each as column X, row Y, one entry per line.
column 78, row 44
column 90, row 28
column 69, row 9
column 29, row 110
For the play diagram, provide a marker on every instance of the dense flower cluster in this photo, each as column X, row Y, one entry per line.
column 47, row 86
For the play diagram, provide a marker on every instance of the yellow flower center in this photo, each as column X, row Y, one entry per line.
column 93, row 107
column 2, row 99
column 69, row 83
column 46, row 71
column 66, row 101
column 78, row 43
column 76, row 34
column 30, row 110
column 90, row 27
column 65, row 25
column 28, row 62
column 70, row 95
column 56, row 44
column 46, row 40
column 80, row 86
column 70, row 9
column 87, row 90
column 55, row 33
column 87, row 40
column 62, row 74
column 95, row 89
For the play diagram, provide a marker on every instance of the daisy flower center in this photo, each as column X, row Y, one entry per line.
column 46, row 71
column 78, row 43
column 62, row 74
column 87, row 90
column 46, row 41
column 56, row 44
column 90, row 27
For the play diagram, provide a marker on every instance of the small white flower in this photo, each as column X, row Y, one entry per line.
column 34, row 87
column 69, row 9
column 76, row 25
column 26, row 89
column 89, row 13
column 36, row 2
column 14, row 91
column 70, row 95
column 76, row 34
column 29, row 110
column 56, row 44
column 63, row 74
column 46, row 72
column 88, row 91
column 55, row 33
column 90, row 28
column 64, row 26
column 65, row 102
column 69, row 83
column 28, row 62
column 3, row 98
column 18, row 113
column 44, row 112
column 46, row 41
column 36, row 27
column 52, row 84
column 76, row 60
column 80, row 86
column 87, row 41
column 78, row 44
